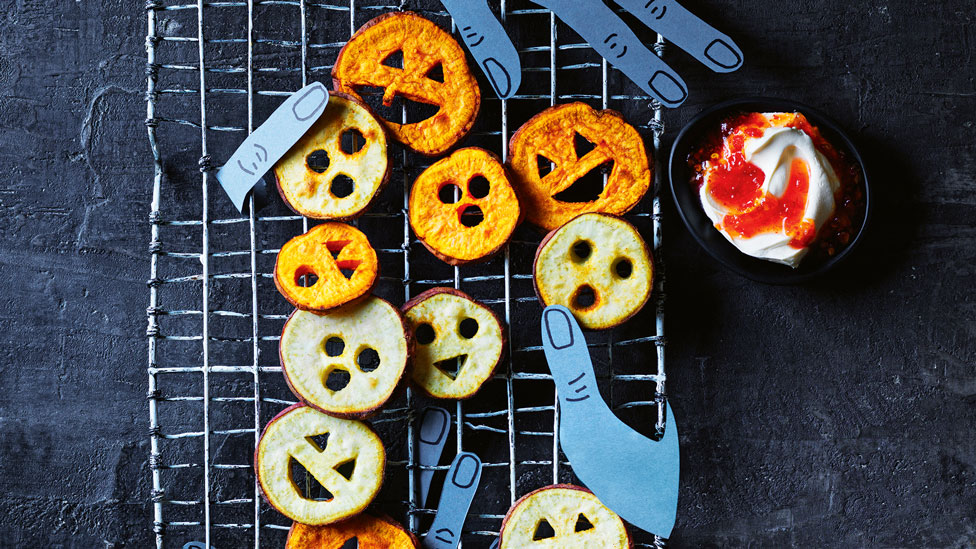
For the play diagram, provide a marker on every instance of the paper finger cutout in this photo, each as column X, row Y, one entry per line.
column 267, row 144
column 683, row 28
column 488, row 42
column 458, row 493
column 433, row 434
column 610, row 36
column 633, row 475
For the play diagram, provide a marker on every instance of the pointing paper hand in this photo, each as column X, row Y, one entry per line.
column 633, row 475
column 488, row 43
column 610, row 36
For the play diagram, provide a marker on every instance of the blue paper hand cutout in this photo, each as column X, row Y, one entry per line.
column 459, row 488
column 267, row 144
column 433, row 434
column 633, row 475
column 488, row 43
column 613, row 39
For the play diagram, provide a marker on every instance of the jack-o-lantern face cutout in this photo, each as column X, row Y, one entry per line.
column 339, row 166
column 598, row 266
column 463, row 208
column 368, row 531
column 346, row 362
column 427, row 50
column 459, row 343
column 330, row 265
column 342, row 461
column 579, row 145
column 562, row 516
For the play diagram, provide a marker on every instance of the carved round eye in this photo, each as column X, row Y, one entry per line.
column 342, row 186
column 623, row 268
column 582, row 251
column 305, row 276
column 479, row 187
column 334, row 346
column 468, row 328
column 351, row 141
column 337, row 379
column 318, row 161
column 368, row 360
column 425, row 334
column 449, row 194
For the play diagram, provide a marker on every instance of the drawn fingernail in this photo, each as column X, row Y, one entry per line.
column 499, row 76
column 310, row 103
column 465, row 472
column 723, row 55
column 559, row 328
column 668, row 88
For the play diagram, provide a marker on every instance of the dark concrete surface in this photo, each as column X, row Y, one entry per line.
column 839, row 413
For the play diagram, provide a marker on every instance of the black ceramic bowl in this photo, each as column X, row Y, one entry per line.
column 689, row 206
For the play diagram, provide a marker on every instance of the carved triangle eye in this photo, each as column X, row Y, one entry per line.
column 346, row 468
column 543, row 530
column 335, row 247
column 351, row 543
column 544, row 165
column 394, row 60
column 319, row 442
column 436, row 73
column 583, row 524
column 582, row 145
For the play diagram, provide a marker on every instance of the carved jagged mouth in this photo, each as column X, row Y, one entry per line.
column 451, row 366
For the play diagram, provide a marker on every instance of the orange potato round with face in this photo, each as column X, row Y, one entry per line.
column 369, row 532
column 425, row 47
column 336, row 258
column 459, row 343
column 447, row 199
column 550, row 138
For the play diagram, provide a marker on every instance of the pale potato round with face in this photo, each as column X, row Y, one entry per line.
column 562, row 516
column 348, row 463
column 346, row 362
column 339, row 166
column 458, row 343
column 596, row 265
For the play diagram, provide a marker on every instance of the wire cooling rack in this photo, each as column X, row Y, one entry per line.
column 216, row 69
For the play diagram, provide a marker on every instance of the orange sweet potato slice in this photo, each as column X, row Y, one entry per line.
column 463, row 208
column 370, row 532
column 425, row 47
column 557, row 138
column 334, row 260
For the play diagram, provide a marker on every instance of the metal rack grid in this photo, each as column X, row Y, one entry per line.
column 216, row 68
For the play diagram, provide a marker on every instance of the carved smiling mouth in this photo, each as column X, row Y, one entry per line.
column 451, row 366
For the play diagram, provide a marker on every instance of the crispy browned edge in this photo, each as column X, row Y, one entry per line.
column 461, row 133
column 355, row 299
column 494, row 251
column 379, row 188
column 365, row 412
column 501, row 533
column 257, row 472
column 376, row 515
column 514, row 143
column 423, row 296
column 552, row 233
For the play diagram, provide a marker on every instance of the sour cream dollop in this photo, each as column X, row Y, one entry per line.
column 770, row 190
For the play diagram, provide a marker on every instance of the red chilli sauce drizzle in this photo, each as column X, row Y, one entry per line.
column 736, row 185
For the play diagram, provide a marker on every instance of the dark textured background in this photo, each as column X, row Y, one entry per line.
column 838, row 413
